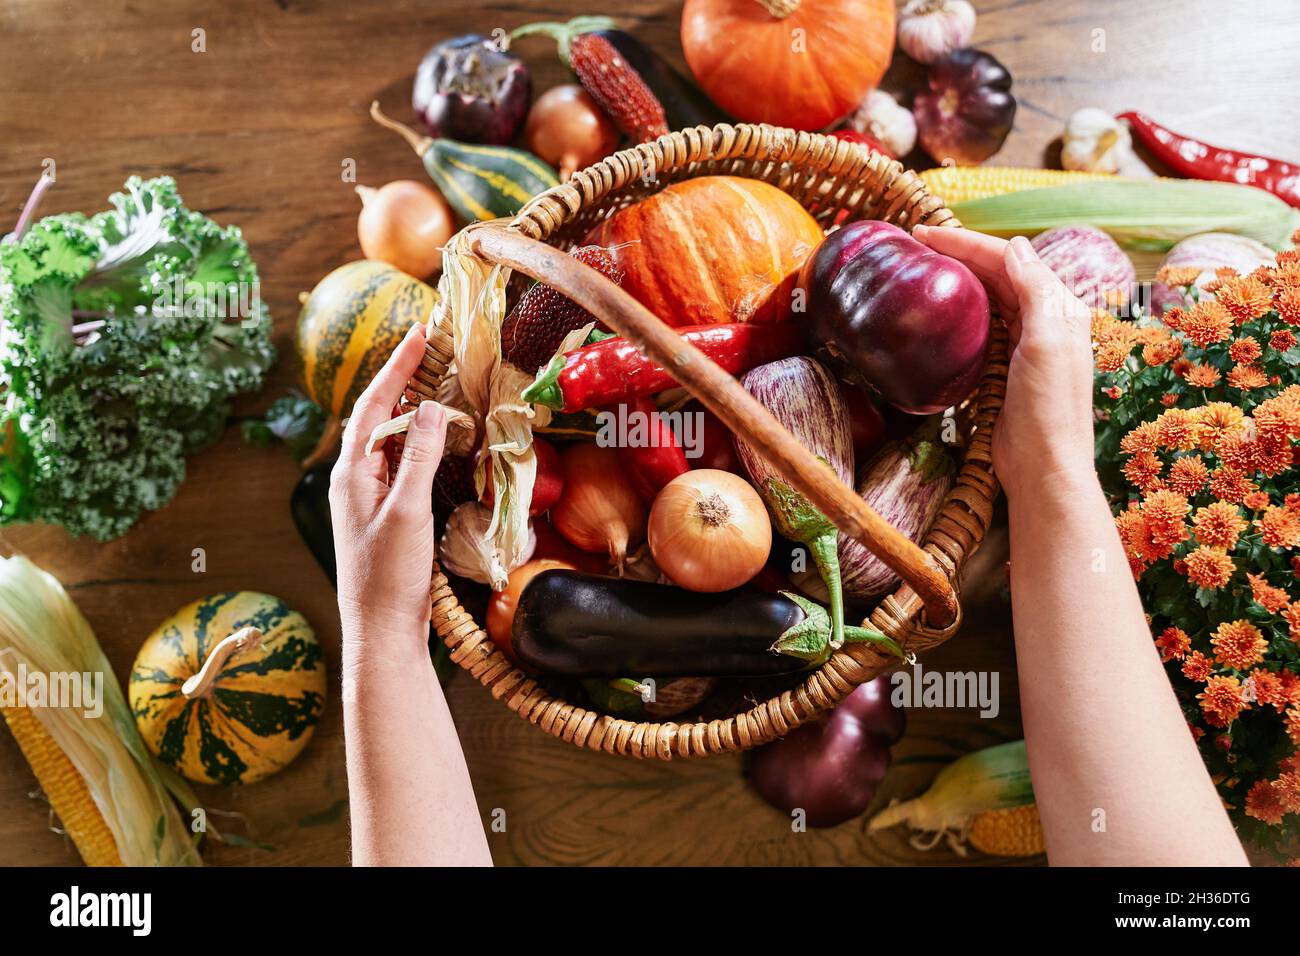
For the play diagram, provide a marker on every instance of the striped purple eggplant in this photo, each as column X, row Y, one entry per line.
column 806, row 399
column 906, row 483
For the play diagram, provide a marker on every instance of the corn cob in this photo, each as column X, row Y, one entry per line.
column 543, row 316
column 989, row 780
column 1014, row 831
column 955, row 184
column 65, row 789
column 613, row 83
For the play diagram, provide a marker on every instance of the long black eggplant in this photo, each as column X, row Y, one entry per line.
column 585, row 625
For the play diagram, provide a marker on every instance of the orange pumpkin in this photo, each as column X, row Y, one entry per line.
column 711, row 249
column 798, row 63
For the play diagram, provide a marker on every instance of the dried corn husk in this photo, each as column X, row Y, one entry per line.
column 42, row 631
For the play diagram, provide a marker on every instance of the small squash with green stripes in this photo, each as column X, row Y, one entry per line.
column 229, row 689
column 478, row 181
column 350, row 324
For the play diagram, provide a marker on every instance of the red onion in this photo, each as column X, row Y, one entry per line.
column 1089, row 262
column 1207, row 252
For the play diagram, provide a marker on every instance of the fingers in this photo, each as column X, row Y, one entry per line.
column 983, row 255
column 375, row 406
column 1047, row 308
column 421, row 454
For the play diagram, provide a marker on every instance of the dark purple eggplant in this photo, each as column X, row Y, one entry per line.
column 467, row 89
column 906, row 483
column 830, row 769
column 585, row 625
column 912, row 322
column 806, row 399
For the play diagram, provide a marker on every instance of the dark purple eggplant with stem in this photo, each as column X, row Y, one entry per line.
column 470, row 89
column 830, row 768
column 805, row 398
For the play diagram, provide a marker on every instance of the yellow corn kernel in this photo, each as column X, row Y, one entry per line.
column 66, row 790
column 954, row 184
column 1013, row 831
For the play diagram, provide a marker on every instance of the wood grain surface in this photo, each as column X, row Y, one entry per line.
column 257, row 130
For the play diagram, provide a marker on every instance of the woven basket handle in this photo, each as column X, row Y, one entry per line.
column 726, row 398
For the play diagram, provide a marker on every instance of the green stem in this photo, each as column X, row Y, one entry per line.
column 545, row 389
column 825, row 553
column 564, row 33
column 869, row 635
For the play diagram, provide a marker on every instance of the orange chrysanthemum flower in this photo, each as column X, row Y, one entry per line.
column 1291, row 688
column 1279, row 527
column 1278, row 418
column 1144, row 437
column 1197, row 667
column 1188, row 475
column 1271, row 457
column 1285, row 276
column 1209, row 568
column 1208, row 322
column 1201, row 376
column 1288, row 790
column 1287, row 300
column 1178, row 277
column 1244, row 298
column 1264, row 804
column 1283, row 340
column 1111, row 356
column 1265, row 595
column 1173, row 644
column 1293, row 725
column 1247, row 377
column 1218, row 525
column 1269, row 691
column 1219, row 420
column 1143, row 471
column 1113, row 392
column 1230, row 485
column 1256, row 501
column 1291, row 614
column 1168, row 399
column 1164, row 349
column 1221, row 701
column 1238, row 644
column 1165, row 513
column 1178, row 428
column 1245, row 349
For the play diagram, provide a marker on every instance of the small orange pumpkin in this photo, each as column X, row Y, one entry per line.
column 798, row 63
column 711, row 249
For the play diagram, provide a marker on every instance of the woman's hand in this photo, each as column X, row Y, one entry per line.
column 1044, row 434
column 383, row 535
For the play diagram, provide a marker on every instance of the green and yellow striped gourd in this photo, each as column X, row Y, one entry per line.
column 350, row 324
column 229, row 689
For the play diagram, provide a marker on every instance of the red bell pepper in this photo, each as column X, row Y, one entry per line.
column 613, row 370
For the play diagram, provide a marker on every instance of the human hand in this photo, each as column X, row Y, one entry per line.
column 1043, row 437
column 383, row 535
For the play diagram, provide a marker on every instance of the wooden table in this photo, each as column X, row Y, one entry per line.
column 256, row 130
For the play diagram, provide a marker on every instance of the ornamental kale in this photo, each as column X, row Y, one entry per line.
column 123, row 337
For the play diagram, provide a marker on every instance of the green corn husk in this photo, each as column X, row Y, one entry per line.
column 1148, row 214
column 990, row 779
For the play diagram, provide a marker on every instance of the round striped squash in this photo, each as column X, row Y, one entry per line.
column 350, row 324
column 711, row 249
column 229, row 689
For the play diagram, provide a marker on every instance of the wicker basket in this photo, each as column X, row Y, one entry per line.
column 827, row 176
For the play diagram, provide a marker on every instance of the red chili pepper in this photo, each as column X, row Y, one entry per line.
column 613, row 370
column 1197, row 160
column 656, row 458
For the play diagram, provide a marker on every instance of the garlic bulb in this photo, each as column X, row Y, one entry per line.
column 928, row 30
column 1096, row 142
column 881, row 116
column 468, row 550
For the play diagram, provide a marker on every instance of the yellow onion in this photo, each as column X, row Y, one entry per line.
column 405, row 224
column 599, row 510
column 709, row 530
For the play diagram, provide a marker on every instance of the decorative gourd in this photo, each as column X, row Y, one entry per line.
column 350, row 324
column 798, row 63
column 229, row 689
column 711, row 249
